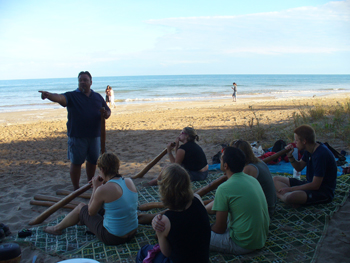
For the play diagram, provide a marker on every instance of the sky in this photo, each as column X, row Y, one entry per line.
column 58, row 39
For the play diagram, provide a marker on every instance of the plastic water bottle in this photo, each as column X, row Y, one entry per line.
column 295, row 173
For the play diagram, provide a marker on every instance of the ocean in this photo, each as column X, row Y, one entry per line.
column 23, row 95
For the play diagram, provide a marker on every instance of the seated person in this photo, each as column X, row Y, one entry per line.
column 321, row 172
column 242, row 218
column 259, row 170
column 190, row 155
column 184, row 230
column 118, row 197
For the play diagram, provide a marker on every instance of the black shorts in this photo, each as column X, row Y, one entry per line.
column 95, row 225
column 313, row 196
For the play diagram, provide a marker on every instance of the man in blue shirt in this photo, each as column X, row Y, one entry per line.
column 321, row 173
column 83, row 126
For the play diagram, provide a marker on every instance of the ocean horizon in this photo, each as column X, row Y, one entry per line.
column 23, row 95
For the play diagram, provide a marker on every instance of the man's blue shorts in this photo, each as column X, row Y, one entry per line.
column 81, row 149
column 313, row 196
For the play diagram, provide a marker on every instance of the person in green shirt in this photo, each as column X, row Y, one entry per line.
column 242, row 217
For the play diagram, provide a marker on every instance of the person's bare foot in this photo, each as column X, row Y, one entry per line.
column 51, row 230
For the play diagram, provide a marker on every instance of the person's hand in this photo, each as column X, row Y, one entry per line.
column 284, row 190
column 291, row 147
column 106, row 114
column 170, row 146
column 96, row 181
column 44, row 94
column 157, row 224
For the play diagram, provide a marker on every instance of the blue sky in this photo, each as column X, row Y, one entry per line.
column 57, row 39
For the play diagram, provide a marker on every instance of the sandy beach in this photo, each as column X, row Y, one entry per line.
column 33, row 148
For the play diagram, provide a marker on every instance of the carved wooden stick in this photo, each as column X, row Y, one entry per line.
column 103, row 131
column 49, row 203
column 52, row 199
column 67, row 192
column 151, row 164
column 59, row 204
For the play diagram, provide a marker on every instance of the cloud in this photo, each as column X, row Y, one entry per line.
column 322, row 29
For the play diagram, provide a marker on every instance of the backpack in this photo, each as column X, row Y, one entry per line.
column 216, row 158
column 157, row 257
column 279, row 146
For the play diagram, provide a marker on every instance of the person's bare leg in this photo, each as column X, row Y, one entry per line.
column 280, row 182
column 75, row 172
column 209, row 208
column 154, row 182
column 70, row 220
column 145, row 219
column 293, row 198
column 90, row 170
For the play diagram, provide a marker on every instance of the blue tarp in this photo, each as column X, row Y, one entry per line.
column 281, row 167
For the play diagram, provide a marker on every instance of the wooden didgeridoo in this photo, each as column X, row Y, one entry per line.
column 59, row 204
column 103, row 131
column 49, row 203
column 52, row 199
column 151, row 164
column 67, row 192
column 214, row 184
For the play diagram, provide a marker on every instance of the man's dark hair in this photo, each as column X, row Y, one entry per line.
column 306, row 132
column 85, row 72
column 234, row 158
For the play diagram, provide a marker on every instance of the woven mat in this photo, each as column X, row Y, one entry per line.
column 294, row 233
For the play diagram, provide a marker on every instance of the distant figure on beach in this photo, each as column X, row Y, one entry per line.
column 184, row 230
column 234, row 95
column 321, row 171
column 83, row 126
column 190, row 155
column 110, row 96
column 112, row 210
column 242, row 218
column 107, row 94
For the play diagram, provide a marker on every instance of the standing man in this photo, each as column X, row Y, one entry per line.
column 321, row 172
column 241, row 200
column 83, row 125
column 234, row 95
